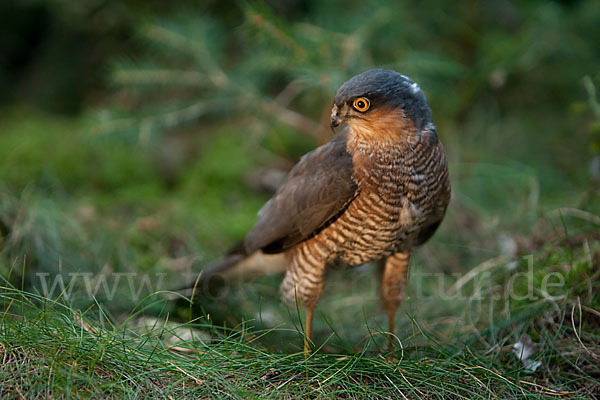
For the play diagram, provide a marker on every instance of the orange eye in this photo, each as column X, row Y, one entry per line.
column 361, row 104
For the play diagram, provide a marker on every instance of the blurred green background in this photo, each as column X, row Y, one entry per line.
column 143, row 136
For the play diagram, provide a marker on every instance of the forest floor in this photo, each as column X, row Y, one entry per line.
column 502, row 303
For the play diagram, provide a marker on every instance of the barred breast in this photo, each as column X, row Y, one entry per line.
column 403, row 190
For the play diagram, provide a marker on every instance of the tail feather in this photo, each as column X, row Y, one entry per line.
column 235, row 266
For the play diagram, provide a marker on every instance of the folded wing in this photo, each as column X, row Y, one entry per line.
column 316, row 192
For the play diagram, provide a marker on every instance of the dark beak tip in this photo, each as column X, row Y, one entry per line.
column 335, row 122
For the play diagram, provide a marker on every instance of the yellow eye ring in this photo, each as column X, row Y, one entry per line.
column 361, row 104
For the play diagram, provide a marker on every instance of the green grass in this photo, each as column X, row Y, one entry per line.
column 51, row 350
column 105, row 206
column 101, row 213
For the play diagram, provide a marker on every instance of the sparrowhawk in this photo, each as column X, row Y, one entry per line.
column 376, row 191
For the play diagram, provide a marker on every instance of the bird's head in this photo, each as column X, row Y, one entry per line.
column 382, row 105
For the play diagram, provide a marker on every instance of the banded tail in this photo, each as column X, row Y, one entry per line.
column 235, row 266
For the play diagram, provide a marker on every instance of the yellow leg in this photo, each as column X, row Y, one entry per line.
column 393, row 284
column 308, row 327
column 391, row 327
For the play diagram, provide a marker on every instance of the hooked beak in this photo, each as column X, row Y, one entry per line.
column 336, row 120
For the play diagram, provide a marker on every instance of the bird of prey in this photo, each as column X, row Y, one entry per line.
column 376, row 191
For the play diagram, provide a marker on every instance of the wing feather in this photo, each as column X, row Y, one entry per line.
column 317, row 190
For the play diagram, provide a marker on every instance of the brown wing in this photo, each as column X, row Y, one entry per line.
column 317, row 190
